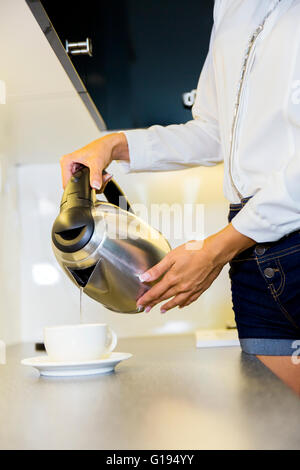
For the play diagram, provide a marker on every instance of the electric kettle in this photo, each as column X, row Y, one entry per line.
column 102, row 246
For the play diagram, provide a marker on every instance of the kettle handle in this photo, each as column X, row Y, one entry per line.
column 115, row 195
column 80, row 189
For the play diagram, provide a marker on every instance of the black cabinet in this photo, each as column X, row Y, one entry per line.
column 146, row 53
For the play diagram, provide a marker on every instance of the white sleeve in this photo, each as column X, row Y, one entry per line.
column 178, row 146
column 274, row 211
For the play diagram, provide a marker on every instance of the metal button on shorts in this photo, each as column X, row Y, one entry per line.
column 260, row 250
column 269, row 272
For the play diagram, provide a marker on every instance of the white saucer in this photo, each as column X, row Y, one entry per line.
column 50, row 368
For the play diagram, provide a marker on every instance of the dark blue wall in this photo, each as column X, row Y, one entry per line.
column 146, row 54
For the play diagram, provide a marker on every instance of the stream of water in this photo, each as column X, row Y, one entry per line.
column 80, row 305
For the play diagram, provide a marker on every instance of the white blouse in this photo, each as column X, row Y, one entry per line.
column 246, row 113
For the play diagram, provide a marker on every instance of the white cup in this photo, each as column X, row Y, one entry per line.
column 79, row 343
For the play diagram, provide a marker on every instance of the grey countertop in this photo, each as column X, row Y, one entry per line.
column 169, row 395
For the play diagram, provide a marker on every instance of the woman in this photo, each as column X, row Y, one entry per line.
column 247, row 114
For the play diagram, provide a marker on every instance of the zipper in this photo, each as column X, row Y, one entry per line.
column 247, row 64
column 237, row 114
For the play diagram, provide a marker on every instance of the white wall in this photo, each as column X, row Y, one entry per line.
column 58, row 301
column 10, row 329
column 41, row 119
column 47, row 116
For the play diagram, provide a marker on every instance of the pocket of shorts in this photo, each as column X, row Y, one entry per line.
column 246, row 255
column 288, row 266
column 286, row 290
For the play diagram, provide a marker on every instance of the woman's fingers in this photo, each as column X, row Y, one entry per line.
column 153, row 296
column 183, row 297
column 66, row 165
column 157, row 296
column 191, row 299
column 175, row 302
column 69, row 166
column 97, row 155
column 158, row 270
column 96, row 170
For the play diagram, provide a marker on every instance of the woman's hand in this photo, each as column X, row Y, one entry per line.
column 190, row 269
column 97, row 156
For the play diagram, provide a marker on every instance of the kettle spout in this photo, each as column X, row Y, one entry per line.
column 92, row 279
column 82, row 276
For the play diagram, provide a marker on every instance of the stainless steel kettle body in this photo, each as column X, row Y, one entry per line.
column 103, row 247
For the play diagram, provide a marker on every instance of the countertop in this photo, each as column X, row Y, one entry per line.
column 169, row 395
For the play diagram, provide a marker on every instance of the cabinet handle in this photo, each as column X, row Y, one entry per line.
column 80, row 48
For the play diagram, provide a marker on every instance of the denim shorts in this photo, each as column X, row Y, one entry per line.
column 265, row 286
